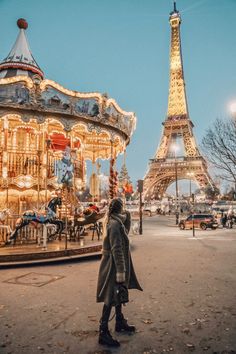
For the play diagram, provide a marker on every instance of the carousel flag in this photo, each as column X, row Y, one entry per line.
column 64, row 169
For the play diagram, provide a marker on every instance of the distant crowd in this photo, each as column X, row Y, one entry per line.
column 226, row 219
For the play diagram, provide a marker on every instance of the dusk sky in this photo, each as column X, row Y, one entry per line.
column 122, row 47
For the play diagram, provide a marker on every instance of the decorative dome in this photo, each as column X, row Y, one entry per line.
column 22, row 23
column 20, row 60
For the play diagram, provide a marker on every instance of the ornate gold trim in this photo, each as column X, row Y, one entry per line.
column 12, row 80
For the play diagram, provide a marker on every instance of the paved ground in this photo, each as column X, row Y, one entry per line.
column 188, row 303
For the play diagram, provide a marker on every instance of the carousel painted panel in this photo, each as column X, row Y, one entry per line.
column 87, row 106
column 113, row 115
column 118, row 119
column 128, row 124
column 14, row 93
column 122, row 120
column 55, row 100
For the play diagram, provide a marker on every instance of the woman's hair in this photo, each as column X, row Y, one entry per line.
column 115, row 206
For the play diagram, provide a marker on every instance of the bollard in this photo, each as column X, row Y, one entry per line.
column 45, row 231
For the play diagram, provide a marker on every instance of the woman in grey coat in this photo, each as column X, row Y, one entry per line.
column 116, row 267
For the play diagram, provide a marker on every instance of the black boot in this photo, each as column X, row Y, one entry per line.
column 105, row 337
column 122, row 325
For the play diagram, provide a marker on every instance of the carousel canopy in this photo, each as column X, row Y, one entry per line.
column 20, row 60
column 89, row 121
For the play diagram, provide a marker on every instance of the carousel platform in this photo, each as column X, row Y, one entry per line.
column 31, row 254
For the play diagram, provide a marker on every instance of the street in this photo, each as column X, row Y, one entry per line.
column 188, row 303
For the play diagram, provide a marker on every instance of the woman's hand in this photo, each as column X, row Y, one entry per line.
column 120, row 277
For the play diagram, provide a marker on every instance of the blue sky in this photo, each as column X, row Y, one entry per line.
column 122, row 47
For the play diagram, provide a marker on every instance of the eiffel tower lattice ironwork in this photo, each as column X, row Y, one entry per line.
column 169, row 162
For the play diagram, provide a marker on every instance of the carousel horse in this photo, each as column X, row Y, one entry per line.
column 3, row 215
column 31, row 216
column 5, row 230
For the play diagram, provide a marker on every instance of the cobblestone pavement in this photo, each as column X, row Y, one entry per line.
column 188, row 303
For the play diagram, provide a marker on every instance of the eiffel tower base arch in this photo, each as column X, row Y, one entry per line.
column 162, row 174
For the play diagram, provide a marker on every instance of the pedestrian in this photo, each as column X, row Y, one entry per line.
column 224, row 220
column 177, row 218
column 229, row 222
column 116, row 268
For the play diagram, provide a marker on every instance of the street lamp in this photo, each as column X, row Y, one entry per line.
column 232, row 108
column 174, row 148
column 190, row 174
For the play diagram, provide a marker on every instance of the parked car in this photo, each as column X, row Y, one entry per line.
column 202, row 221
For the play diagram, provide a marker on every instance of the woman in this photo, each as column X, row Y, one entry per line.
column 116, row 267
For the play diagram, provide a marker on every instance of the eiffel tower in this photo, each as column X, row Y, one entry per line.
column 177, row 156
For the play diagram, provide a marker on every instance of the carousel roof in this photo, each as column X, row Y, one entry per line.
column 90, row 120
column 20, row 60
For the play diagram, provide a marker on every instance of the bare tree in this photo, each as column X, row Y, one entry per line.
column 219, row 146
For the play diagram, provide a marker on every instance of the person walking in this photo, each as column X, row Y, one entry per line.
column 116, row 268
column 224, row 220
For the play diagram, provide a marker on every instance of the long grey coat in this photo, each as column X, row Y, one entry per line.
column 116, row 258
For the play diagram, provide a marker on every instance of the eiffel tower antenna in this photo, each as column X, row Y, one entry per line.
column 177, row 131
column 175, row 10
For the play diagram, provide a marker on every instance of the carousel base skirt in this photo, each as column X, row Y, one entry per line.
column 13, row 256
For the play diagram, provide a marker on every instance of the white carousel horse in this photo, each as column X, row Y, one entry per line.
column 5, row 230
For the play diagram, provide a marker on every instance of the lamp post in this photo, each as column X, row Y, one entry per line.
column 140, row 190
column 174, row 149
column 232, row 108
column 190, row 174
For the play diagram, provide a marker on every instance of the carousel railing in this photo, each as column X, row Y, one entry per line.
column 28, row 234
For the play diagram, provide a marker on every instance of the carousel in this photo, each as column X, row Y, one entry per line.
column 48, row 133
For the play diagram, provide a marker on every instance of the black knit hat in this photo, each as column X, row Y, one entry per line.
column 115, row 205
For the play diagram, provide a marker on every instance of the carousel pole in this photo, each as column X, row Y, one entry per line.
column 66, row 220
column 38, row 169
column 38, row 182
column 73, row 159
column 99, row 181
column 111, row 178
column 115, row 178
column 93, row 182
column 44, row 175
column 5, row 158
column 115, row 175
column 66, row 190
column 124, row 162
column 48, row 144
column 7, row 194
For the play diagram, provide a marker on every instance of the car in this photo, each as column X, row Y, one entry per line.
column 202, row 221
column 150, row 209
